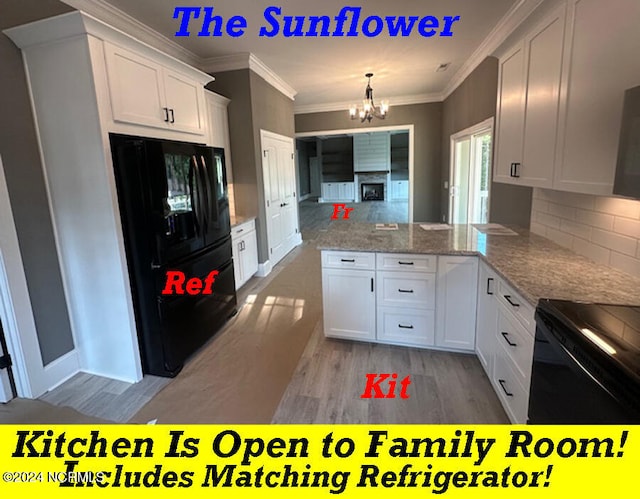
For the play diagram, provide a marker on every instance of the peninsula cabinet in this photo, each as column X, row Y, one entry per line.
column 410, row 295
column 348, row 295
column 456, row 302
column 560, row 97
column 486, row 317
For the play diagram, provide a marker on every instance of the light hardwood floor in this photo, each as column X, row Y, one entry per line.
column 446, row 388
column 327, row 383
column 316, row 217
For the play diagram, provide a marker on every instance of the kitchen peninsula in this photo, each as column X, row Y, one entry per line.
column 457, row 289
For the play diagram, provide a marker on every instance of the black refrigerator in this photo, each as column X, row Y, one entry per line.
column 175, row 217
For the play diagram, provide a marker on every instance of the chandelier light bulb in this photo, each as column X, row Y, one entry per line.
column 369, row 110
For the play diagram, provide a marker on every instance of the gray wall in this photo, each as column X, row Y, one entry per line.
column 25, row 181
column 255, row 105
column 427, row 121
column 302, row 168
column 473, row 102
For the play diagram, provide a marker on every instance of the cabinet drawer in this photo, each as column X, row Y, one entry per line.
column 517, row 305
column 404, row 263
column 406, row 325
column 348, row 260
column 517, row 343
column 514, row 397
column 242, row 229
column 404, row 289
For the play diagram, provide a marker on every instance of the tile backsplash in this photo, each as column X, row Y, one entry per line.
column 604, row 229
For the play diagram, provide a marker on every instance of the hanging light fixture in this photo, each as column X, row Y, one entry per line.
column 369, row 110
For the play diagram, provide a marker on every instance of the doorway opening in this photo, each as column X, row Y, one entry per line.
column 470, row 174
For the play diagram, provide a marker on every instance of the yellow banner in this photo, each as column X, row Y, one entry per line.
column 312, row 461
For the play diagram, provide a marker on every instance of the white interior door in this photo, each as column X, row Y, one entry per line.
column 278, row 168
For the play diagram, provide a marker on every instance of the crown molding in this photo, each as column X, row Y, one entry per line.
column 405, row 100
column 507, row 25
column 246, row 60
column 118, row 19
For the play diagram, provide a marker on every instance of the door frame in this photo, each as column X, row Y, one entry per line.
column 392, row 128
column 483, row 126
column 16, row 313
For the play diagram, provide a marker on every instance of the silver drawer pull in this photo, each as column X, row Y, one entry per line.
column 405, row 263
column 502, row 383
column 405, row 291
column 404, row 327
column 347, row 261
column 512, row 303
column 505, row 335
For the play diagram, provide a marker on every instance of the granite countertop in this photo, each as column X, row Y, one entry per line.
column 238, row 220
column 535, row 266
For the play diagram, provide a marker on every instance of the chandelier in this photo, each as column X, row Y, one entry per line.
column 369, row 110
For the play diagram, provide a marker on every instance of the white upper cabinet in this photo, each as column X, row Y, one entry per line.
column 528, row 106
column 510, row 112
column 602, row 61
column 372, row 152
column 143, row 92
column 560, row 97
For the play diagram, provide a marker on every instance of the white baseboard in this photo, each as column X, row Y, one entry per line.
column 264, row 269
column 302, row 198
column 298, row 238
column 61, row 369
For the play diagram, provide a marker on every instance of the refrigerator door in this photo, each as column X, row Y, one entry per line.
column 216, row 214
column 187, row 321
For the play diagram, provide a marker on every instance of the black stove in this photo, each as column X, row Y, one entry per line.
column 586, row 365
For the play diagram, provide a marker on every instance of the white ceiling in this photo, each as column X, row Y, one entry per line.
column 331, row 70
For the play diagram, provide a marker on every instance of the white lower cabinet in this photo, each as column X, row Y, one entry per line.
column 391, row 298
column 245, row 252
column 456, row 299
column 513, row 354
column 349, row 303
column 486, row 317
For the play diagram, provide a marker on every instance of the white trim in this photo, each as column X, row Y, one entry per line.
column 352, row 131
column 246, row 60
column 15, row 306
column 63, row 368
column 405, row 100
column 507, row 25
column 264, row 269
column 487, row 125
column 123, row 21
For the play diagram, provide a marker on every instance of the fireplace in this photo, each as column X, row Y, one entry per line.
column 372, row 192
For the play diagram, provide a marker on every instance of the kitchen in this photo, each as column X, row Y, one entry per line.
column 588, row 221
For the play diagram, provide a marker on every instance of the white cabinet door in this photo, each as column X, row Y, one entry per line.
column 349, row 303
column 372, row 152
column 185, row 100
column 510, row 115
column 249, row 255
column 543, row 49
column 330, row 191
column 600, row 65
column 136, row 88
column 399, row 190
column 238, row 275
column 144, row 93
column 346, row 191
column 457, row 285
column 487, row 317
